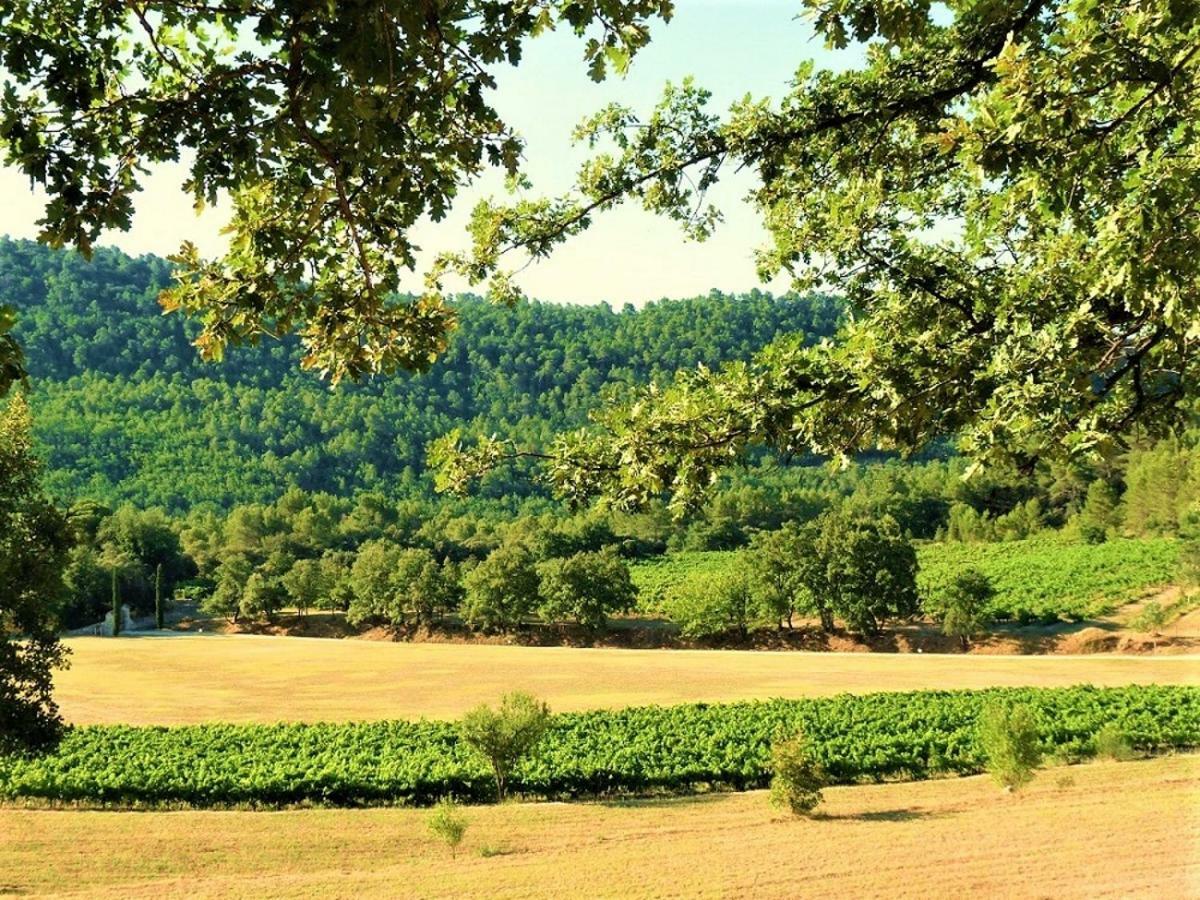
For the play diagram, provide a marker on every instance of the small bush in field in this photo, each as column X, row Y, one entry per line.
column 448, row 823
column 504, row 736
column 1112, row 743
column 1065, row 781
column 1010, row 743
column 796, row 779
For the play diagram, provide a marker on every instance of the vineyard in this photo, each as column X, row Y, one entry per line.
column 1039, row 579
column 1048, row 578
column 636, row 750
column 656, row 578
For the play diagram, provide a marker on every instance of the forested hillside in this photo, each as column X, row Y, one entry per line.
column 125, row 411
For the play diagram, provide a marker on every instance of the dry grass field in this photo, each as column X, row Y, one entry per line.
column 243, row 678
column 1106, row 829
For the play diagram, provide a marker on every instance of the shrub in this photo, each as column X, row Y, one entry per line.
column 504, row 736
column 1151, row 619
column 1010, row 743
column 677, row 749
column 796, row 778
column 448, row 823
column 1112, row 743
column 1050, row 577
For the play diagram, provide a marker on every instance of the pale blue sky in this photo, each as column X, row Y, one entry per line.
column 731, row 47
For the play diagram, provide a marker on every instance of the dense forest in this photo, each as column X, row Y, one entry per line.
column 125, row 410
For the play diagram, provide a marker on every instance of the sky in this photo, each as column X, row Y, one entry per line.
column 731, row 47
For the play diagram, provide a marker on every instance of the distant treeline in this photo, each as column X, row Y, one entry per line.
column 303, row 549
column 125, row 410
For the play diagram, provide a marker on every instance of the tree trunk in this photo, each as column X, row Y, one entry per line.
column 116, row 605
column 158, row 603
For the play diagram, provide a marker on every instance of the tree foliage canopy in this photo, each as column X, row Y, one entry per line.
column 1006, row 191
column 1008, row 194
column 334, row 128
column 34, row 540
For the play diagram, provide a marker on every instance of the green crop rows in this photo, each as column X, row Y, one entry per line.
column 1048, row 578
column 1039, row 578
column 650, row 749
column 654, row 578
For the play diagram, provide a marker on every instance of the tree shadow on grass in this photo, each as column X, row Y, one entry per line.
column 881, row 815
column 662, row 800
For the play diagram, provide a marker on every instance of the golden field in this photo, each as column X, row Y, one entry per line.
column 1104, row 829
column 243, row 678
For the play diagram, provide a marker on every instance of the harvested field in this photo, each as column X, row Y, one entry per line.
column 241, row 678
column 1105, row 829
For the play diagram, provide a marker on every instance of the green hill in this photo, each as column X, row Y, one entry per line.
column 126, row 411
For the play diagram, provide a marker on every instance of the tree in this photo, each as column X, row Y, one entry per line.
column 502, row 590
column 372, row 580
column 796, row 777
column 88, row 587
column 449, row 824
column 960, row 188
column 334, row 129
column 336, row 566
column 1161, row 484
column 144, row 540
column 774, row 561
column 1010, row 743
column 861, row 572
column 963, row 608
column 232, row 575
column 106, row 359
column 506, row 735
column 262, row 595
column 306, row 583
column 587, row 587
column 398, row 585
column 1100, row 514
column 711, row 607
column 118, row 561
column 159, row 619
column 34, row 540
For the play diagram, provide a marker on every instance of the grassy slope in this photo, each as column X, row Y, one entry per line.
column 1044, row 576
column 205, row 678
column 1128, row 829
